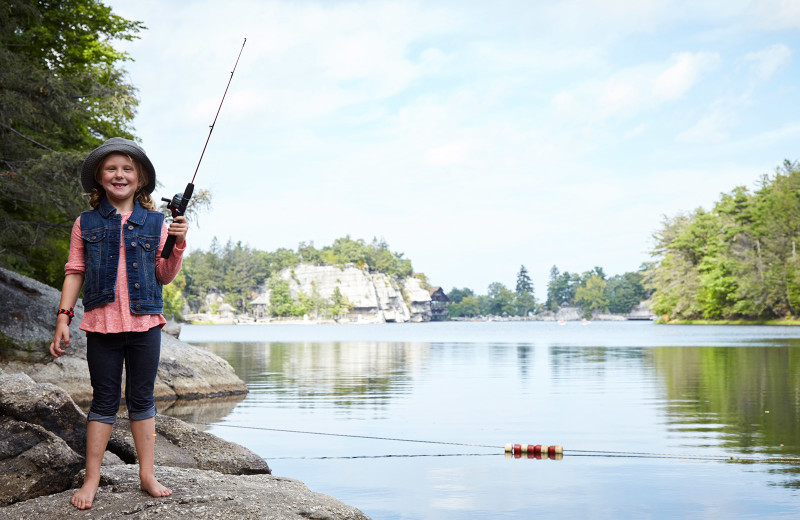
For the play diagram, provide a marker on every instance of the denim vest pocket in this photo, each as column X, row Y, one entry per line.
column 94, row 251
column 146, row 252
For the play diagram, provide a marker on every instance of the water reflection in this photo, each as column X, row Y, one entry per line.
column 749, row 396
column 334, row 374
column 703, row 400
column 200, row 412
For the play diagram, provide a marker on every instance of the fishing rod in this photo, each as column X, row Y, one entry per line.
column 177, row 205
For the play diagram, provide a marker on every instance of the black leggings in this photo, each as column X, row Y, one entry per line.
column 106, row 354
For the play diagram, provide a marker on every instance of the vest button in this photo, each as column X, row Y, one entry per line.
column 138, row 307
column 130, row 226
column 133, row 244
column 136, row 265
column 147, row 246
column 136, row 285
column 94, row 237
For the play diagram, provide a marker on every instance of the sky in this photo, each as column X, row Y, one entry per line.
column 472, row 136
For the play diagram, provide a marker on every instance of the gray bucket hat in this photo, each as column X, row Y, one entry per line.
column 116, row 144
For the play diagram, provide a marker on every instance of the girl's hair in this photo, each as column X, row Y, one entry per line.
column 98, row 193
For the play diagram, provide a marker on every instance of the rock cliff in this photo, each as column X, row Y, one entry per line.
column 375, row 297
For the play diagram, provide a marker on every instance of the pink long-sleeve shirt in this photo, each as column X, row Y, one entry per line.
column 116, row 316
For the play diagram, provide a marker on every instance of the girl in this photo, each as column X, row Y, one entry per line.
column 115, row 256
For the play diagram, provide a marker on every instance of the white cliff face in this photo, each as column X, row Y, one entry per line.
column 375, row 297
column 419, row 299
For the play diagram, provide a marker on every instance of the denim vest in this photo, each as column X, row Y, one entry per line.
column 100, row 229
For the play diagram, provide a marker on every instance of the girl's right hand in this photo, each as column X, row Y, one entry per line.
column 62, row 334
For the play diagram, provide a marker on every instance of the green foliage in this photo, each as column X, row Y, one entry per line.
column 468, row 307
column 62, row 93
column 456, row 295
column 590, row 291
column 173, row 302
column 376, row 256
column 499, row 301
column 339, row 304
column 591, row 295
column 624, row 292
column 561, row 289
column 280, row 300
column 738, row 261
column 524, row 300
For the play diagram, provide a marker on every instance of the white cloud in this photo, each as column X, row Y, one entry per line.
column 683, row 73
column 453, row 152
column 763, row 64
column 708, row 130
column 775, row 14
column 630, row 90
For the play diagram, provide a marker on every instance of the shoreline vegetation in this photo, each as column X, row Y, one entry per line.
column 788, row 322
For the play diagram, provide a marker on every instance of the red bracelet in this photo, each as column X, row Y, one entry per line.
column 69, row 312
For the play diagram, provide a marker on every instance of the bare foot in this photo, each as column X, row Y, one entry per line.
column 155, row 488
column 83, row 498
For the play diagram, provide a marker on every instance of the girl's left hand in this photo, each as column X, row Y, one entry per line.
column 178, row 228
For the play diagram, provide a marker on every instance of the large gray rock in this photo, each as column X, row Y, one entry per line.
column 197, row 494
column 27, row 325
column 46, row 405
column 33, row 462
column 180, row 445
column 28, row 318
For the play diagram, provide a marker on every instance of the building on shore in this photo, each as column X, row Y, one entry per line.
column 439, row 301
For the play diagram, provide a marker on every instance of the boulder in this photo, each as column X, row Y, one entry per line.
column 27, row 325
column 182, row 446
column 43, row 404
column 197, row 494
column 33, row 462
column 28, row 319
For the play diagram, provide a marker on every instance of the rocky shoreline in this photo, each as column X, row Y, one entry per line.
column 42, row 432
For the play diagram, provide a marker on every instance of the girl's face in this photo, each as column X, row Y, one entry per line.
column 119, row 177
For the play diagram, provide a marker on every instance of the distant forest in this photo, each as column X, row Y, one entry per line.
column 239, row 273
column 591, row 291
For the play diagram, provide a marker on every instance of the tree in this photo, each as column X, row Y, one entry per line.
column 63, row 93
column 339, row 304
column 525, row 300
column 624, row 292
column 456, row 295
column 500, row 300
column 468, row 307
column 280, row 300
column 591, row 296
column 561, row 288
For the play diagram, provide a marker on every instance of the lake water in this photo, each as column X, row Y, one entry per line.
column 656, row 421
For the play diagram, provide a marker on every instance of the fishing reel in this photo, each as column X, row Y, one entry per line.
column 174, row 204
column 177, row 206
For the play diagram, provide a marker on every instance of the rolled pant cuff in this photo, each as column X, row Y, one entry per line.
column 141, row 416
column 107, row 419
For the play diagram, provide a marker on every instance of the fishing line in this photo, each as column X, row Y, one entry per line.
column 350, row 435
column 513, row 453
column 390, row 456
